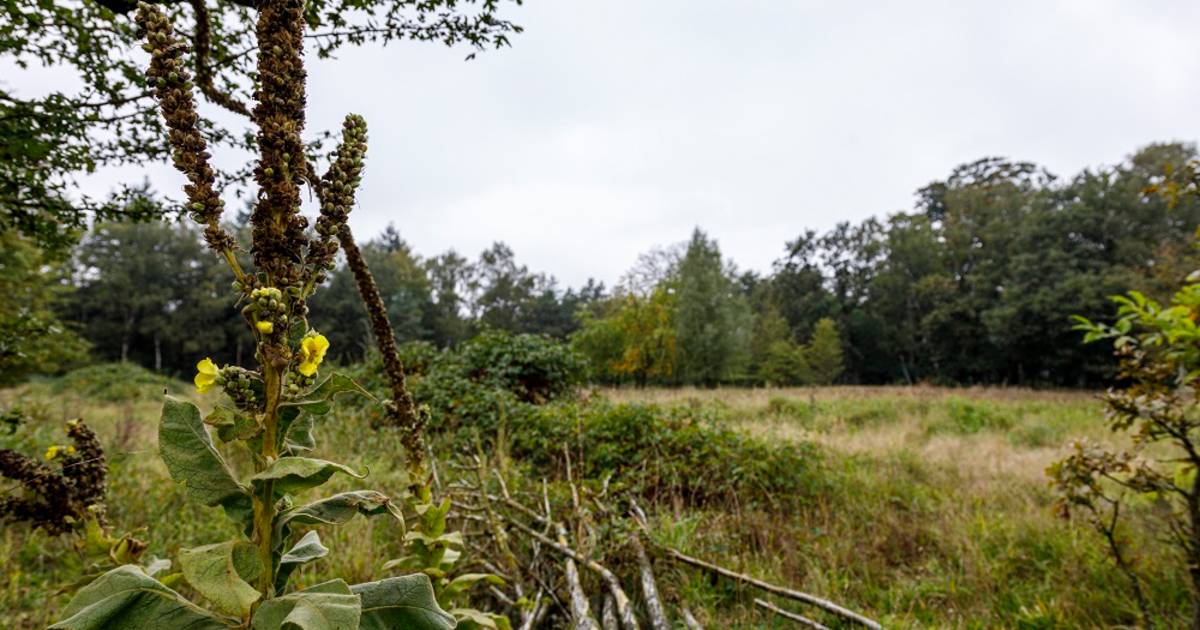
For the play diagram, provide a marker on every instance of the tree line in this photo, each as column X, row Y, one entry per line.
column 975, row 284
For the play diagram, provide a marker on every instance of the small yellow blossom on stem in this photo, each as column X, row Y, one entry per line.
column 264, row 326
column 206, row 375
column 312, row 352
column 52, row 452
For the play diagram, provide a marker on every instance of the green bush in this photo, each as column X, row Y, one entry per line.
column 115, row 382
column 534, row 368
column 493, row 376
column 662, row 454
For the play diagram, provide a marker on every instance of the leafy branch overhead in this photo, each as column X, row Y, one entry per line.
column 106, row 116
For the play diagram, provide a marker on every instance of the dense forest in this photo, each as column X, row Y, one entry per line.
column 976, row 283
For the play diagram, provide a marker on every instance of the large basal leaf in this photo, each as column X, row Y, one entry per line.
column 402, row 602
column 193, row 461
column 327, row 606
column 128, row 599
column 336, row 510
column 293, row 474
column 223, row 573
column 306, row 550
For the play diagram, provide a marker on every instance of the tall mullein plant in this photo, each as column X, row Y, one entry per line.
column 271, row 411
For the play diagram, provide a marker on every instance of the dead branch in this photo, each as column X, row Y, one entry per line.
column 654, row 607
column 608, row 618
column 813, row 600
column 689, row 619
column 624, row 607
column 800, row 619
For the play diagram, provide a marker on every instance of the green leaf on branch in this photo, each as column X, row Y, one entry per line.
column 222, row 573
column 402, row 602
column 297, row 432
column 319, row 401
column 327, row 606
column 337, row 510
column 193, row 461
column 128, row 599
column 482, row 619
column 292, row 474
column 308, row 548
column 464, row 582
column 231, row 425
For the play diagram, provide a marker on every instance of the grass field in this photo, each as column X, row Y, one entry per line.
column 933, row 509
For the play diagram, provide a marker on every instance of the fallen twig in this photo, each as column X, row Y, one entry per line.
column 654, row 607
column 813, row 600
column 689, row 619
column 800, row 619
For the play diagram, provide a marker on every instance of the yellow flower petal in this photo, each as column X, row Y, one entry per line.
column 206, row 366
column 306, row 368
column 52, row 452
column 206, row 375
column 264, row 327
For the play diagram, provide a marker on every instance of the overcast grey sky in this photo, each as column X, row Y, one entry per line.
column 611, row 126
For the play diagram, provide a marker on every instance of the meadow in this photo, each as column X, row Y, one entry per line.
column 920, row 507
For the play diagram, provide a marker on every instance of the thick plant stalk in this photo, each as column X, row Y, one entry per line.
column 813, row 600
column 800, row 619
column 401, row 410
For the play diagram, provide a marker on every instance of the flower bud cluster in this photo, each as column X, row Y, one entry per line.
column 238, row 384
column 297, row 382
column 337, row 195
column 173, row 88
column 269, row 309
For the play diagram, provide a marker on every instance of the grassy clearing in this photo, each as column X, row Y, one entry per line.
column 929, row 507
column 939, row 513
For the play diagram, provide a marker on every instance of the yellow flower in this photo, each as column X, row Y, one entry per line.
column 264, row 326
column 312, row 352
column 52, row 452
column 70, row 450
column 206, row 375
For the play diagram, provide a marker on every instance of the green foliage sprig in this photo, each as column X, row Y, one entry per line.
column 1158, row 407
column 274, row 408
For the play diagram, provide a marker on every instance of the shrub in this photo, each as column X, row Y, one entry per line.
column 662, row 454
column 115, row 382
column 535, row 368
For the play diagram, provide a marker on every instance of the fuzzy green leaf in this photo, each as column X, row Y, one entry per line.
column 319, row 401
column 308, row 548
column 336, row 510
column 482, row 619
column 222, row 573
column 128, row 599
column 293, row 474
column 327, row 606
column 193, row 461
column 402, row 602
column 297, row 432
column 231, row 425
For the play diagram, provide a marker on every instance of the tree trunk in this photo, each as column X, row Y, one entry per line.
column 157, row 353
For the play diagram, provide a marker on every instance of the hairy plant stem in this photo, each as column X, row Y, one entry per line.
column 264, row 503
